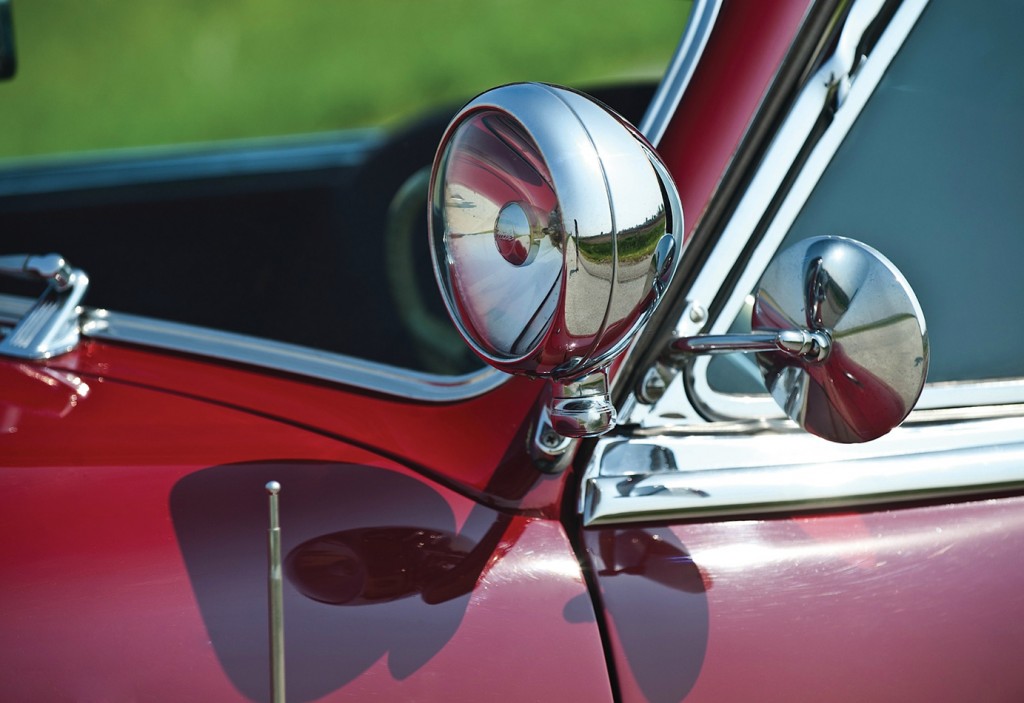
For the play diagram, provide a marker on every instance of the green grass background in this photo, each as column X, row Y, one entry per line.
column 108, row 74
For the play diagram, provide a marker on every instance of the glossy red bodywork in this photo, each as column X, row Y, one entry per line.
column 742, row 56
column 469, row 443
column 136, row 518
column 897, row 605
column 427, row 558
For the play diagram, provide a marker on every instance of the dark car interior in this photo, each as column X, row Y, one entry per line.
column 285, row 241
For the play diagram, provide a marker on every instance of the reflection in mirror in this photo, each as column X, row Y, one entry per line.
column 839, row 336
column 496, row 184
column 555, row 230
column 876, row 367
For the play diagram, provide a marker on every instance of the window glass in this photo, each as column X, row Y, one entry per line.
column 931, row 175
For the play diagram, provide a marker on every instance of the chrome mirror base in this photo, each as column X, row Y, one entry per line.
column 582, row 408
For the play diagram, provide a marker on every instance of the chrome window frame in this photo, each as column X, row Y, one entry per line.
column 42, row 175
column 728, row 456
column 690, row 396
column 312, row 363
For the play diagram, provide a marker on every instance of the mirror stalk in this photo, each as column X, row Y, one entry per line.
column 807, row 345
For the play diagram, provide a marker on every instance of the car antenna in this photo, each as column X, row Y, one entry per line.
column 275, row 597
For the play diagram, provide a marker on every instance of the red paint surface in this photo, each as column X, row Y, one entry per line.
column 741, row 58
column 137, row 521
column 134, row 512
column 913, row 604
column 476, row 445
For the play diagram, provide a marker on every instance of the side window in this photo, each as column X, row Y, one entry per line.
column 930, row 175
column 260, row 168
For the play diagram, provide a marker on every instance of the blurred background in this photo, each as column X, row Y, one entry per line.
column 113, row 74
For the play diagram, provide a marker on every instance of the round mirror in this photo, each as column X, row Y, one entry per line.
column 554, row 229
column 876, row 364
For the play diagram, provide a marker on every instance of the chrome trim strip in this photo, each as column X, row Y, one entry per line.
column 725, row 475
column 40, row 175
column 699, row 24
column 277, row 356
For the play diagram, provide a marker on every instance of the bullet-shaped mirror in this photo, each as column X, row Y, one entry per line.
column 555, row 230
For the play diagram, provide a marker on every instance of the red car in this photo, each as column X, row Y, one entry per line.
column 551, row 423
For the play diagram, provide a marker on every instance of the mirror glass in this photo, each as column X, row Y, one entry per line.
column 554, row 230
column 878, row 361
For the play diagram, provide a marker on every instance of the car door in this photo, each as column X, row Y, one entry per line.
column 738, row 558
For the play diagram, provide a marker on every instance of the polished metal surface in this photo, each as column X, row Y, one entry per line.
column 51, row 268
column 555, row 230
column 734, row 469
column 551, row 451
column 811, row 345
column 840, row 339
column 874, row 371
column 699, row 24
column 550, row 230
column 50, row 326
column 278, row 356
column 582, row 408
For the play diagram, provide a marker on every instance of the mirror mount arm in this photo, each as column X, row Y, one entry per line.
column 582, row 407
column 808, row 345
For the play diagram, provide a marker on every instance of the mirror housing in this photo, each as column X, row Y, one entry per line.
column 840, row 339
column 555, row 229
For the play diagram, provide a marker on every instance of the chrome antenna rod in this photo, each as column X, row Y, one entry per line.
column 276, row 597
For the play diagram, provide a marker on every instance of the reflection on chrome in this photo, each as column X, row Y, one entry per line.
column 555, row 230
column 730, row 472
column 51, row 326
column 876, row 368
column 494, row 188
column 839, row 336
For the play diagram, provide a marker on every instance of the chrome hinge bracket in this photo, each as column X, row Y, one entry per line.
column 50, row 327
column 838, row 71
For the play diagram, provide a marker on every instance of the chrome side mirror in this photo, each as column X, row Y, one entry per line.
column 840, row 339
column 555, row 230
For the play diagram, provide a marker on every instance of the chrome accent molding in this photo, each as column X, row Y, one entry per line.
column 748, row 471
column 277, row 356
column 244, row 157
column 699, row 24
column 50, row 326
